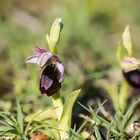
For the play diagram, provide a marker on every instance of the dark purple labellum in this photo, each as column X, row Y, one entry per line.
column 49, row 81
column 133, row 78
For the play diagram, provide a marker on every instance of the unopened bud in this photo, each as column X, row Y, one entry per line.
column 54, row 34
column 127, row 41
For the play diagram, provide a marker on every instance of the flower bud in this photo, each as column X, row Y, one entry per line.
column 54, row 34
column 127, row 41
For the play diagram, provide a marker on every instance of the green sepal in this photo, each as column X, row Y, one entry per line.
column 54, row 36
column 127, row 41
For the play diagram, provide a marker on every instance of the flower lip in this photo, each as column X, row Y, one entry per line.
column 50, row 77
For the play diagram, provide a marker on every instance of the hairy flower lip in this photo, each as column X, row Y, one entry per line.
column 52, row 73
column 49, row 81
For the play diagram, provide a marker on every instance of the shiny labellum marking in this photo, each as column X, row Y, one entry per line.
column 49, row 82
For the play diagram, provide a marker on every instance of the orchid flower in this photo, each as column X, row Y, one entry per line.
column 52, row 73
column 131, row 71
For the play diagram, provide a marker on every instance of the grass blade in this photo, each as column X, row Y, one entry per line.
column 19, row 117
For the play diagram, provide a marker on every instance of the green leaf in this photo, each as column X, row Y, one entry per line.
column 117, row 119
column 99, row 119
column 127, row 117
column 97, row 133
column 65, row 121
column 82, row 126
column 5, row 128
column 9, row 119
column 127, row 41
column 19, row 117
column 41, row 115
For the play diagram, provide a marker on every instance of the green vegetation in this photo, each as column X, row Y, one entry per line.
column 91, row 47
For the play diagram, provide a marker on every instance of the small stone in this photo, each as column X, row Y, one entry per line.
column 39, row 137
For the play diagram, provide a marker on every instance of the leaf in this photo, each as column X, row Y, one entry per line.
column 99, row 119
column 5, row 128
column 97, row 133
column 129, row 114
column 9, row 119
column 127, row 41
column 82, row 126
column 65, row 121
column 19, row 117
column 116, row 122
column 41, row 115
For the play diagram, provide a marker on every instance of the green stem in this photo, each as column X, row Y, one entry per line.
column 57, row 102
column 123, row 96
column 122, row 137
column 24, row 137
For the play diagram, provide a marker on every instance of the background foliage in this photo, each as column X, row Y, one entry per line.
column 92, row 30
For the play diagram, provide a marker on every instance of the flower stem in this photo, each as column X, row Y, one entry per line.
column 56, row 98
column 57, row 102
column 123, row 96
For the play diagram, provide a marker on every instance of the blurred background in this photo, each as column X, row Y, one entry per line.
column 88, row 46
